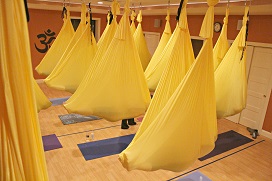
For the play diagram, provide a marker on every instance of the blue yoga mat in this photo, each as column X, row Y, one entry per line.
column 195, row 176
column 227, row 141
column 58, row 101
column 51, row 142
column 102, row 148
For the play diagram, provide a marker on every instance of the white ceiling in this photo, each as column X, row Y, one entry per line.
column 157, row 7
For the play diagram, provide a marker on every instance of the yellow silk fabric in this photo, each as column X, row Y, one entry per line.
column 69, row 73
column 132, row 25
column 104, row 42
column 21, row 150
column 165, row 144
column 140, row 43
column 230, row 77
column 116, row 88
column 222, row 45
column 59, row 46
column 42, row 101
column 150, row 73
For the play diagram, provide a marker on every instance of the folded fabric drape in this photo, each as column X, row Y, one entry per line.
column 117, row 88
column 42, row 101
column 68, row 73
column 164, row 143
column 21, row 154
column 222, row 45
column 140, row 43
column 151, row 77
column 58, row 47
column 230, row 76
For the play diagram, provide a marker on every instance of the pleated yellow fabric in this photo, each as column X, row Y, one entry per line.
column 42, row 101
column 230, row 77
column 117, row 88
column 150, row 74
column 21, row 156
column 132, row 25
column 140, row 43
column 53, row 55
column 222, row 45
column 103, row 45
column 69, row 73
column 165, row 144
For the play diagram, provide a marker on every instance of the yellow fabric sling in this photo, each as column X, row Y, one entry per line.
column 117, row 88
column 21, row 150
column 132, row 25
column 185, row 128
column 53, row 55
column 230, row 76
column 68, row 74
column 222, row 45
column 42, row 101
column 152, row 80
column 140, row 43
column 104, row 42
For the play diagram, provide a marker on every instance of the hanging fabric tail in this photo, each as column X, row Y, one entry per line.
column 21, row 150
column 152, row 80
column 140, row 43
column 53, row 55
column 165, row 143
column 222, row 45
column 42, row 101
column 70, row 71
column 116, row 89
column 180, row 56
column 230, row 76
column 132, row 25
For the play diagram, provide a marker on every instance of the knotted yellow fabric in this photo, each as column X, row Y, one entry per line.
column 132, row 25
column 22, row 155
column 59, row 46
column 230, row 76
column 140, row 43
column 42, row 101
column 150, row 72
column 117, row 88
column 222, row 45
column 70, row 71
column 165, row 144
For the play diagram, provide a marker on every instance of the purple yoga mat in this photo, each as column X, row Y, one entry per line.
column 51, row 142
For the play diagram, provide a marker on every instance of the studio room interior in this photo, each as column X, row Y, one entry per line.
column 117, row 90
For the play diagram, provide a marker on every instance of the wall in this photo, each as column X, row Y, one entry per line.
column 40, row 22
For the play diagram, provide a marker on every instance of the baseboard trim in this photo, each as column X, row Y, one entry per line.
column 266, row 134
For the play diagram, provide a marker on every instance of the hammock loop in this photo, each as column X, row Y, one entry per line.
column 115, row 8
column 140, row 17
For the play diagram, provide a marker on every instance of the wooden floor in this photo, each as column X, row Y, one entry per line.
column 252, row 163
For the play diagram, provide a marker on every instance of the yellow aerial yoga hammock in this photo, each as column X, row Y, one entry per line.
column 42, row 101
column 103, row 45
column 185, row 128
column 53, row 55
column 106, row 38
column 22, row 155
column 117, row 88
column 70, row 71
column 222, row 45
column 156, row 56
column 230, row 76
column 132, row 25
column 140, row 43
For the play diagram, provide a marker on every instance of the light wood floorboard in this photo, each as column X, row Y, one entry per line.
column 67, row 163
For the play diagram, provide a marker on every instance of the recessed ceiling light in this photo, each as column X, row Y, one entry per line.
column 99, row 2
